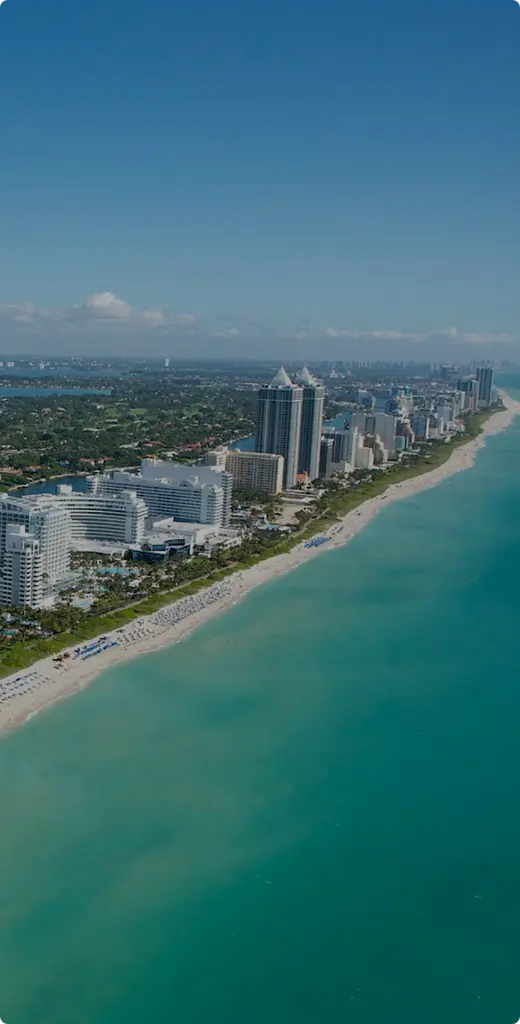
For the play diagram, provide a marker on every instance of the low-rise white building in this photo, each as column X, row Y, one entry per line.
column 194, row 533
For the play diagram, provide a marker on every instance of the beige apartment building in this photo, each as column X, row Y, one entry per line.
column 251, row 471
column 256, row 471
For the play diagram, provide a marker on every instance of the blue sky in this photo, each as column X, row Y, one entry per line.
column 236, row 175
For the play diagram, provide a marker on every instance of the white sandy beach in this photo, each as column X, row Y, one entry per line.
column 27, row 692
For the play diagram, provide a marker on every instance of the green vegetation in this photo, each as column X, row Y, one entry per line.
column 155, row 414
column 22, row 654
column 72, row 627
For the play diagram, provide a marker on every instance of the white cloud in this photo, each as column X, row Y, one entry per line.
column 105, row 320
column 450, row 333
column 22, row 314
column 490, row 339
column 100, row 308
column 344, row 332
column 105, row 306
column 230, row 332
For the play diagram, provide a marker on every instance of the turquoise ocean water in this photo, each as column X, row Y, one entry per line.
column 308, row 812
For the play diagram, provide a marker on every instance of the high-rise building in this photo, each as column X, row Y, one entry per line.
column 346, row 444
column 21, row 580
column 326, row 449
column 279, row 422
column 340, row 448
column 366, row 399
column 485, row 377
column 358, row 421
column 364, row 458
column 43, row 540
column 255, row 471
column 190, row 494
column 311, row 424
column 470, row 388
column 446, row 413
column 421, row 425
column 385, row 425
column 403, row 435
column 117, row 518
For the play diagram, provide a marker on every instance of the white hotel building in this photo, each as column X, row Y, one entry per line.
column 37, row 533
column 21, row 582
column 117, row 518
column 190, row 494
column 35, row 539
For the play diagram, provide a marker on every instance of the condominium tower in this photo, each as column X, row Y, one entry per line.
column 378, row 423
column 311, row 424
column 485, row 378
column 255, row 471
column 470, row 389
column 279, row 422
column 21, row 582
column 326, row 451
column 35, row 537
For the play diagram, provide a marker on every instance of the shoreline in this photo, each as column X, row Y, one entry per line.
column 28, row 692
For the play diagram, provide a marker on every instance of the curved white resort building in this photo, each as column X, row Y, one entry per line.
column 120, row 518
column 189, row 494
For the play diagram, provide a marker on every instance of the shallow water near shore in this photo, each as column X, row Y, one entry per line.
column 306, row 812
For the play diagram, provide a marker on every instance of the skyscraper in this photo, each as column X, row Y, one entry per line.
column 325, row 464
column 21, row 582
column 470, row 388
column 311, row 424
column 279, row 422
column 485, row 377
column 346, row 445
column 420, row 424
column 35, row 556
column 384, row 425
column 377, row 423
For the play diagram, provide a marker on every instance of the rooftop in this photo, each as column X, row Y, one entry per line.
column 281, row 379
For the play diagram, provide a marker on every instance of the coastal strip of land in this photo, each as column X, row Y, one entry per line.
column 27, row 692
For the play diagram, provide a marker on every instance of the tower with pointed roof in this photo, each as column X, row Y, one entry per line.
column 279, row 422
column 313, row 398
